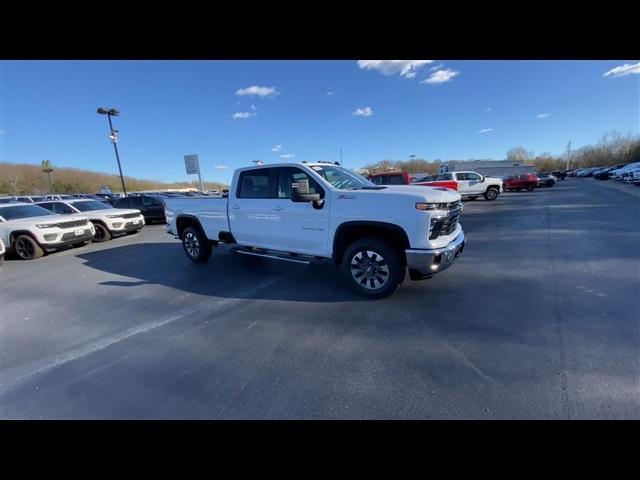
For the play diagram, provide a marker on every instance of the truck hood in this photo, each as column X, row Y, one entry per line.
column 426, row 193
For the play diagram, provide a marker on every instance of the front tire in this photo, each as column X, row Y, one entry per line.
column 530, row 188
column 373, row 268
column 491, row 194
column 197, row 247
column 27, row 248
column 102, row 233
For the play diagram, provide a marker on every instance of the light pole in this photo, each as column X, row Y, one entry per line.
column 109, row 112
column 412, row 157
column 47, row 168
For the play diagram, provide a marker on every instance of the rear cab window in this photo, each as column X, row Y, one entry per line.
column 257, row 183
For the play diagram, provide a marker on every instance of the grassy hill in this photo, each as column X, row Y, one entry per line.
column 27, row 179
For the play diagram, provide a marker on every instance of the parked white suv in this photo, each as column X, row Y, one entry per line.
column 29, row 230
column 108, row 221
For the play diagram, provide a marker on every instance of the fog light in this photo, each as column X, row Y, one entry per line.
column 50, row 236
column 117, row 225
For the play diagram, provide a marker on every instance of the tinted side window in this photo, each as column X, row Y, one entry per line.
column 135, row 202
column 289, row 175
column 152, row 202
column 122, row 203
column 255, row 184
column 473, row 176
column 394, row 180
column 445, row 176
column 61, row 208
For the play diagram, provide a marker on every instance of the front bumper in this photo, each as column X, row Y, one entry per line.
column 69, row 239
column 126, row 225
column 426, row 263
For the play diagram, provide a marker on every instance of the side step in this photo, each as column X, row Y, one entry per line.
column 287, row 257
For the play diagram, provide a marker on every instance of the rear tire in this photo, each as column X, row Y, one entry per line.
column 491, row 194
column 373, row 268
column 27, row 248
column 102, row 233
column 530, row 188
column 196, row 245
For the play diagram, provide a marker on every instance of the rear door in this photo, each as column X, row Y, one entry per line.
column 154, row 208
column 251, row 213
column 298, row 226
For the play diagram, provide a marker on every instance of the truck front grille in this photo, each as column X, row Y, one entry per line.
column 131, row 215
column 445, row 225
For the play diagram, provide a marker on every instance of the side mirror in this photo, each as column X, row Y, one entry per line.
column 300, row 192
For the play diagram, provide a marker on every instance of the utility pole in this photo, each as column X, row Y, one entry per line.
column 412, row 157
column 109, row 112
column 569, row 155
column 340, row 156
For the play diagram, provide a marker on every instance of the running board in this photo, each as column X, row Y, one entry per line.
column 285, row 257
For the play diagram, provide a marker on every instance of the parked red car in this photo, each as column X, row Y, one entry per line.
column 528, row 181
column 402, row 178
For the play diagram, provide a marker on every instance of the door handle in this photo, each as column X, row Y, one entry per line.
column 235, row 207
column 278, row 208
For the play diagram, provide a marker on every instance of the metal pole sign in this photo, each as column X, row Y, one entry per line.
column 192, row 166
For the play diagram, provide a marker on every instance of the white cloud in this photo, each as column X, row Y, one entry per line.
column 488, row 109
column 277, row 148
column 258, row 91
column 623, row 70
column 436, row 67
column 406, row 68
column 441, row 76
column 243, row 115
column 288, row 155
column 331, row 93
column 221, row 167
column 253, row 107
column 543, row 115
column 485, row 130
column 363, row 112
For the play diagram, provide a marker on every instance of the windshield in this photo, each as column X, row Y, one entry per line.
column 341, row 178
column 23, row 211
column 90, row 205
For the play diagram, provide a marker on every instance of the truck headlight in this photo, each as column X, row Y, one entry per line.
column 45, row 225
column 427, row 206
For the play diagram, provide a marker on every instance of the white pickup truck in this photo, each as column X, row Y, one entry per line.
column 471, row 184
column 321, row 212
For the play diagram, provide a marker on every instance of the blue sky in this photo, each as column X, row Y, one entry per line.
column 375, row 110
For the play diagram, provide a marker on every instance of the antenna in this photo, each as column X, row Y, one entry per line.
column 568, row 154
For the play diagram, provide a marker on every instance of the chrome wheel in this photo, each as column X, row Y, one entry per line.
column 191, row 244
column 369, row 269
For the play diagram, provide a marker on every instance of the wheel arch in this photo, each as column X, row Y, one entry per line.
column 349, row 232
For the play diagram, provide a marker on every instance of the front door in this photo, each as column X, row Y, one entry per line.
column 299, row 227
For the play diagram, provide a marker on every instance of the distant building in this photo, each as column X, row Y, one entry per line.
column 491, row 168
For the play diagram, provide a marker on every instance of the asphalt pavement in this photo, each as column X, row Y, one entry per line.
column 539, row 318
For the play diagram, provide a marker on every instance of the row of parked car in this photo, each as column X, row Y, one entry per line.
column 623, row 172
column 32, row 225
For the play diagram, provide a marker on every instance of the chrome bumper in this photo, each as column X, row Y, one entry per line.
column 426, row 263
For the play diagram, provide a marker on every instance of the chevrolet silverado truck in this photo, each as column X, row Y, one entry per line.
column 322, row 213
column 29, row 230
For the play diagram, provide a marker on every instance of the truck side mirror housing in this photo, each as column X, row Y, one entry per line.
column 300, row 192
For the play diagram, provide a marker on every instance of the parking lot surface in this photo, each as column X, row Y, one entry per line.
column 538, row 318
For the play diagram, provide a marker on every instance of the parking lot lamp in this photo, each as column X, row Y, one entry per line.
column 109, row 112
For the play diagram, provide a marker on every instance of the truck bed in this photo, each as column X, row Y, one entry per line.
column 212, row 212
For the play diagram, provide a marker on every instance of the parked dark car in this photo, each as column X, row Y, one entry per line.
column 546, row 179
column 560, row 174
column 528, row 181
column 151, row 206
column 606, row 173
